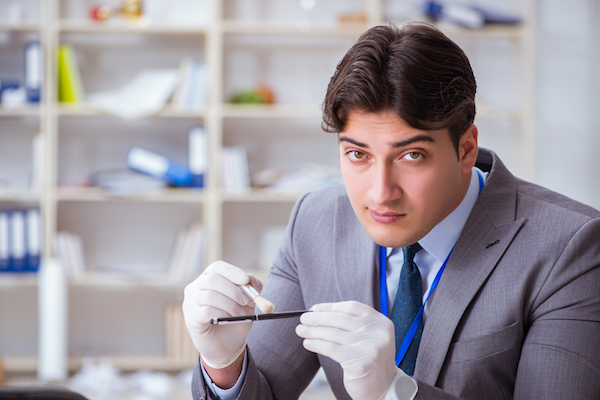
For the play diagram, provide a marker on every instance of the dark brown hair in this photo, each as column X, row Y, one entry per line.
column 416, row 72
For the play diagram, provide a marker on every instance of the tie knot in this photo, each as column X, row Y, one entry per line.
column 410, row 251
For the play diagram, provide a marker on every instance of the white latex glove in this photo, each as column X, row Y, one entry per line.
column 216, row 293
column 359, row 338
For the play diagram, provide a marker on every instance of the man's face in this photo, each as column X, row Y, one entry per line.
column 402, row 181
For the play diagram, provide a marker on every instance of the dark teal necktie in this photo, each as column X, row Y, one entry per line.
column 406, row 306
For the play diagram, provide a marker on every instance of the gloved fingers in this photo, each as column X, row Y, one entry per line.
column 230, row 272
column 209, row 283
column 354, row 308
column 255, row 283
column 339, row 321
column 329, row 334
column 337, row 352
column 348, row 316
column 366, row 342
column 199, row 306
column 203, row 305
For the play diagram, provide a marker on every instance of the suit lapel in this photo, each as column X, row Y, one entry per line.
column 468, row 268
column 355, row 257
column 490, row 229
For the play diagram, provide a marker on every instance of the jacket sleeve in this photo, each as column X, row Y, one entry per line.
column 278, row 365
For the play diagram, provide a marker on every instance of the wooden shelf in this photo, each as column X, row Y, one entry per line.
column 97, row 279
column 271, row 111
column 15, row 280
column 259, row 196
column 489, row 32
column 22, row 111
column 167, row 195
column 25, row 26
column 291, row 29
column 28, row 364
column 116, row 280
column 124, row 27
column 169, row 111
column 19, row 194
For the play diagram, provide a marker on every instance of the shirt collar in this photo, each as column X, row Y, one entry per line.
column 442, row 238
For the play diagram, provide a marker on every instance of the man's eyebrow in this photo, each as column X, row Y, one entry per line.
column 402, row 143
column 342, row 138
column 414, row 139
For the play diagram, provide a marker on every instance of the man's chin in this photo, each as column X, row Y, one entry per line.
column 389, row 238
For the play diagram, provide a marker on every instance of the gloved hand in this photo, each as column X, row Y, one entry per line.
column 216, row 293
column 359, row 338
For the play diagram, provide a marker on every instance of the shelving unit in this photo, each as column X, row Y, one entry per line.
column 244, row 43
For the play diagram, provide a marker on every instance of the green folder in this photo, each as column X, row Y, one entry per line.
column 69, row 81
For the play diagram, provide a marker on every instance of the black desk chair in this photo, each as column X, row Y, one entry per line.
column 38, row 393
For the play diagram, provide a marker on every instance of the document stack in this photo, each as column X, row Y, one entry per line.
column 235, row 177
column 192, row 90
column 20, row 240
column 187, row 257
column 69, row 249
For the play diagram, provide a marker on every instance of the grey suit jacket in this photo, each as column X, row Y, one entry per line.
column 516, row 313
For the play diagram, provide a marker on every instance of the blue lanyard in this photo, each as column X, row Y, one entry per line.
column 384, row 302
column 384, row 295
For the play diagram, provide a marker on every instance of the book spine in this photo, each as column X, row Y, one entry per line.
column 69, row 81
column 198, row 154
column 4, row 242
column 34, row 240
column 17, row 241
column 33, row 71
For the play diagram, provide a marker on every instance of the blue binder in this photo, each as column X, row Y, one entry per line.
column 159, row 166
column 33, row 71
column 198, row 154
column 33, row 244
column 17, row 249
column 4, row 242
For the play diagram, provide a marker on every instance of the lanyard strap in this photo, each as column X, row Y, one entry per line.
column 384, row 295
column 415, row 325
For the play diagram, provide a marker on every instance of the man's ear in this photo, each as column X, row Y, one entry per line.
column 468, row 148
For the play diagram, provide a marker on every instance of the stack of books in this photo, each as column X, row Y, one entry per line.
column 69, row 248
column 178, row 344
column 187, row 257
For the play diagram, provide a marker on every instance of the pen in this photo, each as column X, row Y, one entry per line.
column 256, row 317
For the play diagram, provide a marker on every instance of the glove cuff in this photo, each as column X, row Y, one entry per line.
column 228, row 363
column 402, row 387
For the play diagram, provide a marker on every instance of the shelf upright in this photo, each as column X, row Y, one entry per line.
column 213, row 211
column 49, row 117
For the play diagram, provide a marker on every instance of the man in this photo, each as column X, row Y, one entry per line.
column 507, row 271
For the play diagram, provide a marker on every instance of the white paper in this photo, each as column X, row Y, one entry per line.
column 144, row 95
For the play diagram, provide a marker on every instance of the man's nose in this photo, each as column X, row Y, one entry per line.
column 384, row 185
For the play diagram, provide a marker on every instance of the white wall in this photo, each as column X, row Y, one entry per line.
column 567, row 98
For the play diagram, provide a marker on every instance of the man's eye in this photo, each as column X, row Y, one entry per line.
column 356, row 155
column 413, row 155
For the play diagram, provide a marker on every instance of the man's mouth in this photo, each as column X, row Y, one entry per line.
column 385, row 217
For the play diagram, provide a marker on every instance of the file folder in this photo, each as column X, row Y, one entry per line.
column 17, row 241
column 33, row 240
column 4, row 242
column 33, row 71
